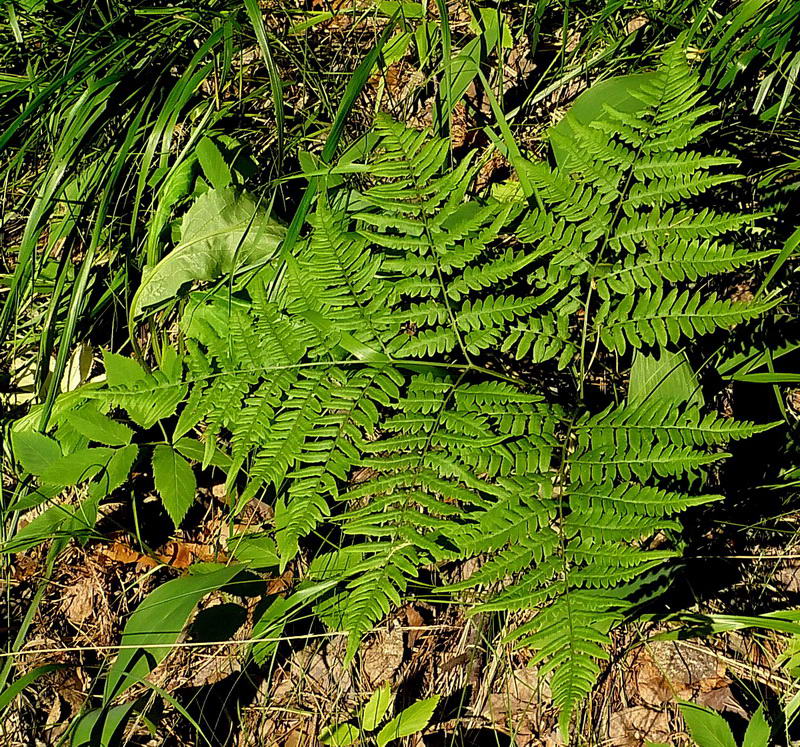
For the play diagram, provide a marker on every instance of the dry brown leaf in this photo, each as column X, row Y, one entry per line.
column 636, row 23
column 178, row 554
column 119, row 552
column 282, row 583
column 633, row 727
column 671, row 669
column 78, row 601
column 382, row 657
column 183, row 554
column 414, row 620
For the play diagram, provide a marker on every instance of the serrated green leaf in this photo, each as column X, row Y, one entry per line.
column 410, row 721
column 35, row 451
column 121, row 370
column 90, row 422
column 213, row 164
column 376, row 708
column 257, row 550
column 174, row 481
column 341, row 735
column 758, row 730
column 707, row 728
column 78, row 467
column 116, row 471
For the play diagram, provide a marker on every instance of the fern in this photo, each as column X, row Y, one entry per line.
column 375, row 348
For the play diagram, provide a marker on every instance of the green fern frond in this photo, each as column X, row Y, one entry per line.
column 659, row 319
column 570, row 637
column 147, row 397
column 391, row 387
column 679, row 261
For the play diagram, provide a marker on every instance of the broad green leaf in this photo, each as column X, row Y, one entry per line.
column 376, row 707
column 668, row 377
column 706, row 727
column 410, row 721
column 275, row 618
column 35, row 451
column 116, row 471
column 56, row 521
column 340, row 735
column 758, row 730
column 101, row 727
column 618, row 93
column 96, row 426
column 121, row 370
column 221, row 231
column 80, row 466
column 174, row 480
column 41, row 528
column 257, row 550
column 157, row 623
column 213, row 164
column 193, row 449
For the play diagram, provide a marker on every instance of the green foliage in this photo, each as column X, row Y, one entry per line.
column 174, row 481
column 410, row 721
column 157, row 623
column 709, row 729
column 373, row 350
column 221, row 233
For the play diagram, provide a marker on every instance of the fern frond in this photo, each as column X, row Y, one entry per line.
column 674, row 263
column 148, row 397
column 545, row 337
column 659, row 227
column 570, row 637
column 656, row 318
column 630, row 498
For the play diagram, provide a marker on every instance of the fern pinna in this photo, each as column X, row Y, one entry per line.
column 368, row 387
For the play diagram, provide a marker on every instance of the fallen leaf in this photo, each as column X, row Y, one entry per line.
column 671, row 669
column 382, row 657
column 78, row 600
column 119, row 552
column 414, row 620
column 636, row 23
column 177, row 554
column 634, row 727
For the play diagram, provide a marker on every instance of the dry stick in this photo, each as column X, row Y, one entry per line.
column 207, row 644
